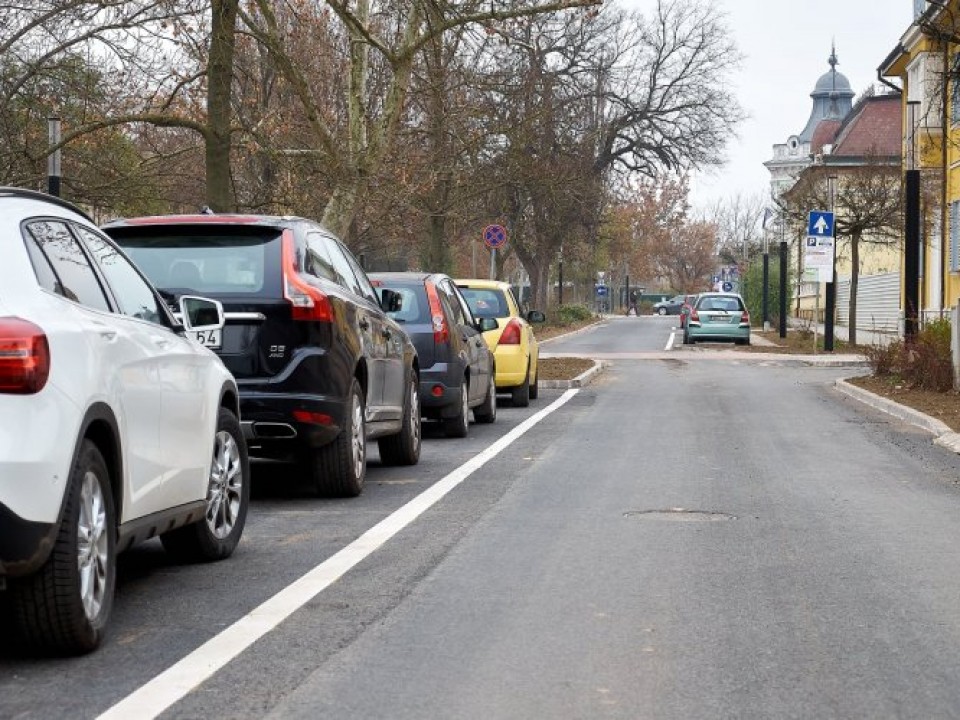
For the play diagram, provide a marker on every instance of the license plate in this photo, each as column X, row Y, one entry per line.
column 208, row 338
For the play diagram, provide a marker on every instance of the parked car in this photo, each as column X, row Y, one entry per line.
column 456, row 366
column 718, row 316
column 670, row 306
column 513, row 343
column 688, row 302
column 117, row 425
column 321, row 367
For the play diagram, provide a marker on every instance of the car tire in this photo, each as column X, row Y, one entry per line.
column 535, row 385
column 687, row 340
column 215, row 537
column 458, row 425
column 64, row 607
column 486, row 412
column 404, row 447
column 339, row 468
column 520, row 395
column 661, row 311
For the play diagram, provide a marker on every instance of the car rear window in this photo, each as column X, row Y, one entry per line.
column 729, row 304
column 486, row 302
column 206, row 260
column 414, row 307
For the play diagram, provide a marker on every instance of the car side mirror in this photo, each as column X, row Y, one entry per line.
column 200, row 313
column 535, row 316
column 486, row 324
column 390, row 300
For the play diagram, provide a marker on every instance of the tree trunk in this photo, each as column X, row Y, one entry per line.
column 341, row 207
column 854, row 283
column 219, row 107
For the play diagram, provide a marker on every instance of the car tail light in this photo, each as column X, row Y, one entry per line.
column 745, row 318
column 694, row 316
column 308, row 302
column 24, row 357
column 511, row 333
column 312, row 418
column 441, row 333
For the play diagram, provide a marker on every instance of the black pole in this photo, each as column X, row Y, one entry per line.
column 911, row 257
column 53, row 160
column 766, row 286
column 783, row 288
column 626, row 296
column 560, row 297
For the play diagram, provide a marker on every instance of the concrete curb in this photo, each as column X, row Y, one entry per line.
column 579, row 381
column 944, row 435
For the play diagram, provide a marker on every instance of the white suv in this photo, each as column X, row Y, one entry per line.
column 116, row 424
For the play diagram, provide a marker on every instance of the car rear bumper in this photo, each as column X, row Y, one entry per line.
column 512, row 365
column 718, row 331
column 276, row 424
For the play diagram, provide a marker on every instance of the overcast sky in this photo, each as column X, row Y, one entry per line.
column 786, row 45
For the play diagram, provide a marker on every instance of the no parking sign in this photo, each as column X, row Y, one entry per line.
column 495, row 236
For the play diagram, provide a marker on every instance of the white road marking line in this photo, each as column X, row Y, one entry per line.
column 174, row 683
column 673, row 334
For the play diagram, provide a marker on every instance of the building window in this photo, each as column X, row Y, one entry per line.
column 918, row 7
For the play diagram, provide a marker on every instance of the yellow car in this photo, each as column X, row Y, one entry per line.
column 513, row 344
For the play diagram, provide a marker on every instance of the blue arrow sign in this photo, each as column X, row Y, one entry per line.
column 820, row 224
column 601, row 290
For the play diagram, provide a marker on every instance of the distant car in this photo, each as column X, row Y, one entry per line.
column 514, row 345
column 718, row 316
column 456, row 366
column 670, row 306
column 321, row 367
column 688, row 303
column 117, row 424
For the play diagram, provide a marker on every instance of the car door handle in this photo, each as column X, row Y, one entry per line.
column 161, row 342
column 364, row 325
column 108, row 335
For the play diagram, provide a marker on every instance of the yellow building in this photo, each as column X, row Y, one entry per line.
column 925, row 64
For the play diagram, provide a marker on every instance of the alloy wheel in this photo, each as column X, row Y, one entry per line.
column 92, row 546
column 225, row 486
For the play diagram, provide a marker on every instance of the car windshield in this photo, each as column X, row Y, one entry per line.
column 486, row 302
column 206, row 261
column 727, row 304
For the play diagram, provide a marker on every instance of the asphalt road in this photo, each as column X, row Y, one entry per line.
column 680, row 539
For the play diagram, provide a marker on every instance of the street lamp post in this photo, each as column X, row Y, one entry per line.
column 766, row 280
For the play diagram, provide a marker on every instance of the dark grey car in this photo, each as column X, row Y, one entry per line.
column 456, row 367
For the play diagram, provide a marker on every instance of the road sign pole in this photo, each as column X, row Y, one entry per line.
column 783, row 288
column 493, row 263
column 831, row 297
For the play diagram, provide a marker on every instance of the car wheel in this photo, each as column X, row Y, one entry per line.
column 404, row 447
column 458, row 425
column 487, row 411
column 687, row 340
column 535, row 386
column 520, row 395
column 338, row 469
column 215, row 537
column 661, row 311
column 65, row 606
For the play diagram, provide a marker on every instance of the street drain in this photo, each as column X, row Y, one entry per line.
column 680, row 515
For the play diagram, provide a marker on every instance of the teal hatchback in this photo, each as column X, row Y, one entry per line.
column 718, row 316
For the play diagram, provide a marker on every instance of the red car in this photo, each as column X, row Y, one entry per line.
column 688, row 302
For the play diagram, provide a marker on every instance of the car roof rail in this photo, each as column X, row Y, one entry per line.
column 46, row 197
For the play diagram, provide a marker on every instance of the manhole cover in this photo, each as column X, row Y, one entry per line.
column 680, row 515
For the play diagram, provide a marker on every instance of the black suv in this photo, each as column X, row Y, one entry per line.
column 320, row 367
column 457, row 367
